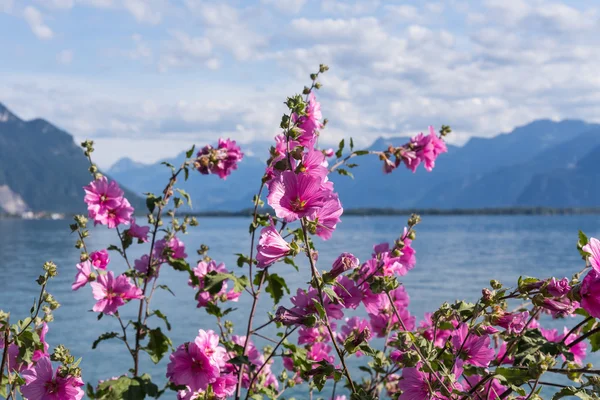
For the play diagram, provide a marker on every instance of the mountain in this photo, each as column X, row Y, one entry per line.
column 41, row 167
column 511, row 169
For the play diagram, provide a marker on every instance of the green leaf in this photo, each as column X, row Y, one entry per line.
column 275, row 287
column 213, row 282
column 171, row 166
column 513, row 376
column 361, row 152
column 127, row 388
column 152, row 201
column 595, row 341
column 345, row 172
column 340, row 150
column 158, row 345
column 165, row 287
column 179, row 264
column 190, row 152
column 319, row 308
column 351, row 144
column 186, row 196
column 103, row 337
column 581, row 242
column 162, row 316
column 332, row 295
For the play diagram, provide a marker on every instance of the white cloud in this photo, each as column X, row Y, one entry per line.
column 65, row 57
column 286, row 6
column 97, row 3
column 35, row 20
column 58, row 4
column 349, row 7
column 142, row 50
column 184, row 50
column 143, row 11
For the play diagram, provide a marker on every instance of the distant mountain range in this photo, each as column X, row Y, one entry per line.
column 544, row 163
column 41, row 167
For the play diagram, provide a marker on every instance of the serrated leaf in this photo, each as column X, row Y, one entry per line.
column 158, row 345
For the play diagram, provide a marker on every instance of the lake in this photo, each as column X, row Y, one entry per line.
column 456, row 258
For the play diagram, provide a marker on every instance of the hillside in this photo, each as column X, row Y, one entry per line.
column 41, row 167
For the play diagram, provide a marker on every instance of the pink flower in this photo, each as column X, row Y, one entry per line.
column 101, row 196
column 475, row 350
column 593, row 248
column 344, row 262
column 429, row 148
column 204, row 297
column 112, row 293
column 329, row 152
column 313, row 164
column 191, row 367
column 558, row 288
column 294, row 196
column 513, row 322
column 271, row 247
column 320, row 352
column 83, row 276
column 310, row 122
column 578, row 351
column 429, row 333
column 492, row 389
column 41, row 383
column 414, row 386
column 100, row 259
column 327, row 216
column 138, row 232
column 319, row 333
column 42, row 330
column 221, row 160
column 113, row 217
column 304, row 304
column 224, row 386
column 561, row 307
column 348, row 292
column 361, row 329
column 174, row 247
column 141, row 266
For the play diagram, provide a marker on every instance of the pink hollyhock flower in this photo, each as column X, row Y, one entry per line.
column 100, row 259
column 138, row 232
column 221, row 160
column 429, row 333
column 204, row 297
column 208, row 343
column 191, row 367
column 271, row 247
column 349, row 293
column 310, row 122
column 361, row 329
column 42, row 330
column 475, row 350
column 174, row 247
column 141, row 266
column 42, row 383
column 329, row 152
column 112, row 293
column 513, row 322
column 304, row 304
column 414, row 386
column 295, row 196
column 561, row 307
column 319, row 333
column 224, row 386
column 558, row 288
column 101, row 196
column 83, row 276
column 344, row 262
column 593, row 248
column 579, row 350
column 313, row 164
column 113, row 217
column 429, row 148
column 320, row 352
column 327, row 216
column 501, row 358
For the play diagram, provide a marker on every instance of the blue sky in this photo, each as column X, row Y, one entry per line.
column 146, row 78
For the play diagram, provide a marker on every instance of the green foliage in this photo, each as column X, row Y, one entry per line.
column 103, row 337
column 274, row 285
column 125, row 388
column 158, row 345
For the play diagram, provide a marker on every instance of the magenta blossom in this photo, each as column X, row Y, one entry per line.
column 42, row 330
column 224, row 386
column 319, row 333
column 141, row 266
column 221, row 160
column 313, row 163
column 41, row 383
column 320, row 352
column 113, row 217
column 101, row 195
column 344, row 262
column 359, row 327
column 174, row 247
column 475, row 350
column 271, row 247
column 295, row 196
column 513, row 322
column 304, row 304
column 138, row 232
column 327, row 216
column 593, row 248
column 83, row 276
column 578, row 350
column 204, row 297
column 100, row 259
column 112, row 293
column 310, row 123
column 191, row 367
column 414, row 385
column 429, row 148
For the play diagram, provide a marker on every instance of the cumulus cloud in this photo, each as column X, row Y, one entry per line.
column 142, row 11
column 35, row 19
column 286, row 6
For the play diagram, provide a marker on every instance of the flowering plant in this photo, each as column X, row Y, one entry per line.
column 351, row 313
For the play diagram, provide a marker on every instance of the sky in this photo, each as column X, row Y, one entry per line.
column 148, row 78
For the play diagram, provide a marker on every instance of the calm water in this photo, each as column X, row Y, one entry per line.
column 456, row 257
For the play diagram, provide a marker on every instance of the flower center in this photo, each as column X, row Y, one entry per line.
column 298, row 204
column 51, row 387
column 103, row 198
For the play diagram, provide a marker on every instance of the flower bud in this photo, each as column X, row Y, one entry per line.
column 289, row 318
column 345, row 262
column 50, row 268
